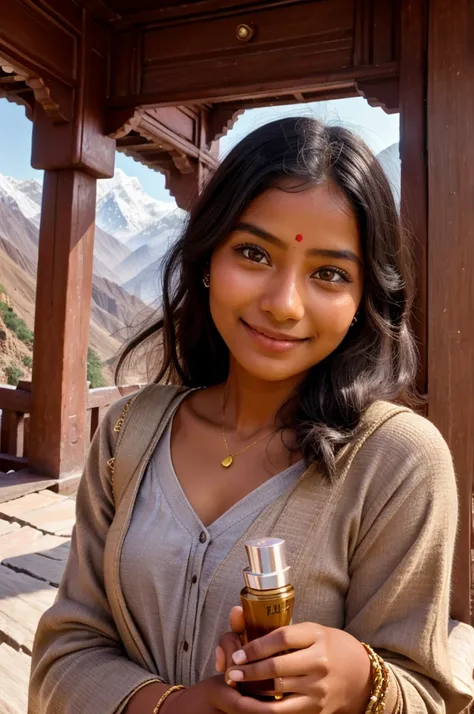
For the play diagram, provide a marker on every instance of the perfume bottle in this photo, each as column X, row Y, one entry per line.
column 267, row 598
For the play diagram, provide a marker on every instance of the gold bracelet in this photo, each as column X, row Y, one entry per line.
column 165, row 696
column 380, row 682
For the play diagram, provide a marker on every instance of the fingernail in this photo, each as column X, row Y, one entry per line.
column 230, row 683
column 236, row 675
column 239, row 657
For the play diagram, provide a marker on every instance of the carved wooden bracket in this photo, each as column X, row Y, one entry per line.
column 222, row 119
column 125, row 121
column 382, row 93
column 25, row 101
column 56, row 101
column 176, row 141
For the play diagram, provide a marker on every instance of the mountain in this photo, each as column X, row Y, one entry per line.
column 391, row 164
column 135, row 263
column 147, row 284
column 160, row 233
column 123, row 207
column 14, row 224
column 108, row 249
column 13, row 189
column 33, row 190
column 114, row 312
column 138, row 272
column 26, row 262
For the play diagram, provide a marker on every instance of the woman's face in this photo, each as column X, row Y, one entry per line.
column 286, row 284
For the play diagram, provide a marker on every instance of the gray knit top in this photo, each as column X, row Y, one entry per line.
column 168, row 552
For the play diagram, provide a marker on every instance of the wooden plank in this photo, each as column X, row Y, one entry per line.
column 414, row 170
column 450, row 116
column 57, row 519
column 17, row 421
column 20, row 483
column 64, row 288
column 14, row 676
column 8, row 527
column 20, row 507
column 171, row 10
column 182, row 63
column 23, row 600
column 47, row 569
column 26, row 540
column 15, row 400
column 5, row 431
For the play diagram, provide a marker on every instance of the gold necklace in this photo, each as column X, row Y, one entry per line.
column 229, row 459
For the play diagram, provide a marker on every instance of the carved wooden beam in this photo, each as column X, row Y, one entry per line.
column 209, row 53
column 56, row 100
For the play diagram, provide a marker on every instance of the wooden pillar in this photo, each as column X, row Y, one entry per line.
column 62, row 322
column 414, row 173
column 450, row 119
column 73, row 152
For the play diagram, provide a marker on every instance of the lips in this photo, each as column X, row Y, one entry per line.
column 273, row 341
column 278, row 336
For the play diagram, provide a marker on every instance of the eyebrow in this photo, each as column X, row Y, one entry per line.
column 344, row 254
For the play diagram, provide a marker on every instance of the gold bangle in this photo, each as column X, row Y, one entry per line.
column 165, row 696
column 380, row 682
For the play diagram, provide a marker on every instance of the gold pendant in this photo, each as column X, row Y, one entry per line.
column 227, row 462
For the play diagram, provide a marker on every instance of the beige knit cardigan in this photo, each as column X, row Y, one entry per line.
column 395, row 501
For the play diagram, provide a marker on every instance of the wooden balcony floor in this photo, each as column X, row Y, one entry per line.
column 35, row 534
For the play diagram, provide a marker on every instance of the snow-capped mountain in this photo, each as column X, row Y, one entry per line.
column 135, row 230
column 113, row 309
column 161, row 233
column 12, row 189
column 123, row 207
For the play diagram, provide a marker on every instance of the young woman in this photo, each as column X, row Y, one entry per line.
column 286, row 312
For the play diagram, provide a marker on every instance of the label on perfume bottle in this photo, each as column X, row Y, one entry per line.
column 278, row 608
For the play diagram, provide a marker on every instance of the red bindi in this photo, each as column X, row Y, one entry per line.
column 299, row 238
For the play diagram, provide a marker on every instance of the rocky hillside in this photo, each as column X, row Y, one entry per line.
column 15, row 353
column 114, row 313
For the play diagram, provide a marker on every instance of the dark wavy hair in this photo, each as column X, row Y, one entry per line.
column 376, row 359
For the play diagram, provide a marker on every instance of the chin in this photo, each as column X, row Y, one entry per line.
column 268, row 370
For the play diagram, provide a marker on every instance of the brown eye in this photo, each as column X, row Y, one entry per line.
column 254, row 254
column 332, row 275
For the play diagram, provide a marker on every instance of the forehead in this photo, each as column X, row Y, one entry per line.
column 313, row 212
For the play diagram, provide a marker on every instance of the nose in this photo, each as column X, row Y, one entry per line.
column 283, row 298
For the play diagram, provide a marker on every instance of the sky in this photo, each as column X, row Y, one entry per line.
column 376, row 127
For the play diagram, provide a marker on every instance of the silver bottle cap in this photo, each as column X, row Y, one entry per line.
column 268, row 567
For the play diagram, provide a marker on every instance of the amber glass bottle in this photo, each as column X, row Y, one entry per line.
column 267, row 599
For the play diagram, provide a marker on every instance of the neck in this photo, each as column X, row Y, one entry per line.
column 252, row 404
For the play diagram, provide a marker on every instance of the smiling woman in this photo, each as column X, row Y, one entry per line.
column 286, row 348
column 347, row 289
column 294, row 300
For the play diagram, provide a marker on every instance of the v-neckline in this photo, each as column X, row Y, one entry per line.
column 249, row 504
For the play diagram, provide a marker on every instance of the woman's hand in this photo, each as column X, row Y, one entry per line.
column 327, row 670
column 230, row 642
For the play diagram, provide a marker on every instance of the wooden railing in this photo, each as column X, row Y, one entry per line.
column 100, row 400
column 15, row 405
